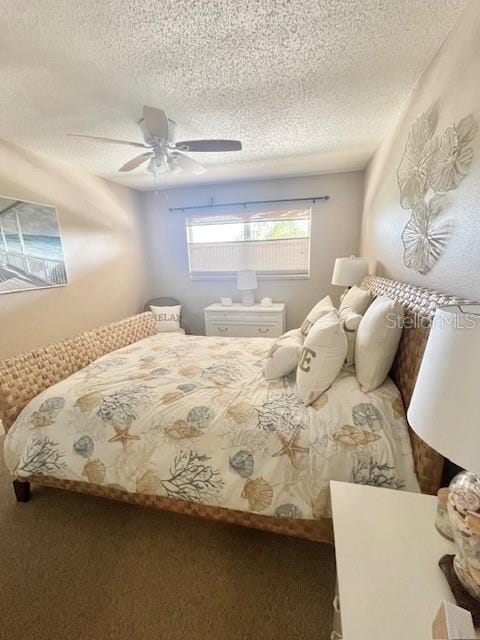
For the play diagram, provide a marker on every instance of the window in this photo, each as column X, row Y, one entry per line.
column 273, row 243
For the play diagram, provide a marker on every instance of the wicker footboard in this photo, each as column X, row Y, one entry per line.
column 320, row 530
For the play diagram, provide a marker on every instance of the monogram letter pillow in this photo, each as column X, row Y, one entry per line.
column 167, row 318
column 377, row 341
column 320, row 309
column 322, row 357
column 283, row 356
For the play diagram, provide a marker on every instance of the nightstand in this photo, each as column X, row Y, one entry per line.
column 239, row 320
column 387, row 549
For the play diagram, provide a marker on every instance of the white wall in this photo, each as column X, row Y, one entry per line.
column 102, row 241
column 335, row 232
column 452, row 82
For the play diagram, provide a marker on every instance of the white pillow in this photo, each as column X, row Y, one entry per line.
column 167, row 318
column 357, row 299
column 283, row 356
column 320, row 309
column 350, row 321
column 377, row 341
column 322, row 357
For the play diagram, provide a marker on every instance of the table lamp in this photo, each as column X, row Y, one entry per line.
column 247, row 283
column 349, row 271
column 445, row 413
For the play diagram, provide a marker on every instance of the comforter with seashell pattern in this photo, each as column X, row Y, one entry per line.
column 193, row 418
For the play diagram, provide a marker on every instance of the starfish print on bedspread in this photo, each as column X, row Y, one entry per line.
column 122, row 435
column 290, row 448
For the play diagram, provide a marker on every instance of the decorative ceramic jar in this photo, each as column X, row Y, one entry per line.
column 464, row 515
column 442, row 521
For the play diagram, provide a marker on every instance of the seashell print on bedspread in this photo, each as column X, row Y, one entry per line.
column 193, row 418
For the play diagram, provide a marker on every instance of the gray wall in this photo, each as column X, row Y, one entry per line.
column 335, row 232
column 452, row 81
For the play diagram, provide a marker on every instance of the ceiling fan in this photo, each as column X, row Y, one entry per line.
column 162, row 152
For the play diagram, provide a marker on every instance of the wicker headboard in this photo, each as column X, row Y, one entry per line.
column 419, row 304
column 25, row 376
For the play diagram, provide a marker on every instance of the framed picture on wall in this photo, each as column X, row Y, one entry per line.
column 31, row 249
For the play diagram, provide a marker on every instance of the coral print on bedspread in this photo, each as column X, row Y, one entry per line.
column 193, row 418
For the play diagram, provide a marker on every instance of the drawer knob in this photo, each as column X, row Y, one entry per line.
column 222, row 329
column 336, row 604
column 263, row 330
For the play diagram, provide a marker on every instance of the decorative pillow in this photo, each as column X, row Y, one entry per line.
column 350, row 322
column 283, row 356
column 322, row 357
column 357, row 300
column 167, row 318
column 320, row 309
column 377, row 341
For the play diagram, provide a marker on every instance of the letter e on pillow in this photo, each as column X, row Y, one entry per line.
column 306, row 358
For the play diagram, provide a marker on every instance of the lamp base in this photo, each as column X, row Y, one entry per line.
column 248, row 297
column 462, row 597
column 464, row 514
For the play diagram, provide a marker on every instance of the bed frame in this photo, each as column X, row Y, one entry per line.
column 25, row 376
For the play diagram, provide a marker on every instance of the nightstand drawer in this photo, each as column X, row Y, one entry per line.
column 244, row 317
column 242, row 330
column 337, row 617
column 245, row 322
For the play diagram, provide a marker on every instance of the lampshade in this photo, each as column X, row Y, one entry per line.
column 246, row 280
column 445, row 406
column 349, row 271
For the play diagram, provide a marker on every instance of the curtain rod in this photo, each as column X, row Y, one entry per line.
column 245, row 204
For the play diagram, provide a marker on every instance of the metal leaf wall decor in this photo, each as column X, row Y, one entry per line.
column 431, row 166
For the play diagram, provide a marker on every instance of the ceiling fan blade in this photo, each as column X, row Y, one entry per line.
column 136, row 162
column 112, row 140
column 209, row 145
column 156, row 122
column 189, row 164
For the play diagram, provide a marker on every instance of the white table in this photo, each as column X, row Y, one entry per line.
column 255, row 321
column 387, row 548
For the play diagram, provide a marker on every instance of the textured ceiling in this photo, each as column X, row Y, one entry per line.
column 307, row 85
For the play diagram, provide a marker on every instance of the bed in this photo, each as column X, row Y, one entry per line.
column 188, row 423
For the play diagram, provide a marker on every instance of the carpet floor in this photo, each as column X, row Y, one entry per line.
column 74, row 566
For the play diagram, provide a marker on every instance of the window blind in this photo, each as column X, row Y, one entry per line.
column 273, row 243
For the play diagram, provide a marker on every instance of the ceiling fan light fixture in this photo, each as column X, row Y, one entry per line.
column 174, row 167
column 158, row 165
